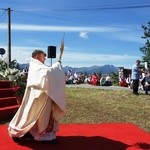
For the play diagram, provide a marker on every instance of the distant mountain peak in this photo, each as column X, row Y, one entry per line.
column 105, row 69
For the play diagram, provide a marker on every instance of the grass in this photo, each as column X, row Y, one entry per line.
column 84, row 105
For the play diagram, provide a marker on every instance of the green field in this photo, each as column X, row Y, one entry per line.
column 88, row 105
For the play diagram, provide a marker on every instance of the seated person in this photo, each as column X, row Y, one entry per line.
column 146, row 82
column 123, row 82
column 102, row 81
column 87, row 79
column 70, row 79
column 129, row 81
column 108, row 81
column 94, row 79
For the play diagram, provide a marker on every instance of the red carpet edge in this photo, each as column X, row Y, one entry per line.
column 105, row 136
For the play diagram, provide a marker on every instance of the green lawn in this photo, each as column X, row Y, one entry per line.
column 89, row 105
column 84, row 105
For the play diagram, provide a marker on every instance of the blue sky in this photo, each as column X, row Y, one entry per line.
column 96, row 32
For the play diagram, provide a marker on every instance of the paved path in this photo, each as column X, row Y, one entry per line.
column 101, row 87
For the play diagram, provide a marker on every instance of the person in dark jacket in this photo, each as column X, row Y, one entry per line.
column 146, row 82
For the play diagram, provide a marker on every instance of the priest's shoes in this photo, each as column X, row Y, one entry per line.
column 26, row 137
column 54, row 141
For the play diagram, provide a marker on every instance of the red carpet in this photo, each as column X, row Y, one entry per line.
column 109, row 136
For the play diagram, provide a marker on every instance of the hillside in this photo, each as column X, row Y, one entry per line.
column 106, row 69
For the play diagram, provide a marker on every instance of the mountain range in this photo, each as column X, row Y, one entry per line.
column 106, row 69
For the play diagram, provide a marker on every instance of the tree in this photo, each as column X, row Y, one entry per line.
column 146, row 49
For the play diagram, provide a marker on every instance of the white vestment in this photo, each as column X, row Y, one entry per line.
column 44, row 96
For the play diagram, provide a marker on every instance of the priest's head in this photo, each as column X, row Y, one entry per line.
column 39, row 55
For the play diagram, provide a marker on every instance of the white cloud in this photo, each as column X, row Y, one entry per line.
column 76, row 59
column 129, row 36
column 28, row 27
column 84, row 35
column 122, row 33
column 72, row 56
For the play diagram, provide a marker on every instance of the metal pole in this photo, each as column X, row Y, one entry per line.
column 9, row 35
column 51, row 61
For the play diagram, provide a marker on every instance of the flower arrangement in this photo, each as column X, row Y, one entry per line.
column 3, row 67
column 8, row 69
column 11, row 71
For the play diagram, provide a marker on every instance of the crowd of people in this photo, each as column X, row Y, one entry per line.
column 132, row 81
column 93, row 79
column 139, row 79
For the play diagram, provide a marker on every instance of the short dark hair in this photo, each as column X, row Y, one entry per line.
column 138, row 61
column 37, row 52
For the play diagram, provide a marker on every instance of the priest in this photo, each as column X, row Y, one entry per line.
column 43, row 104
